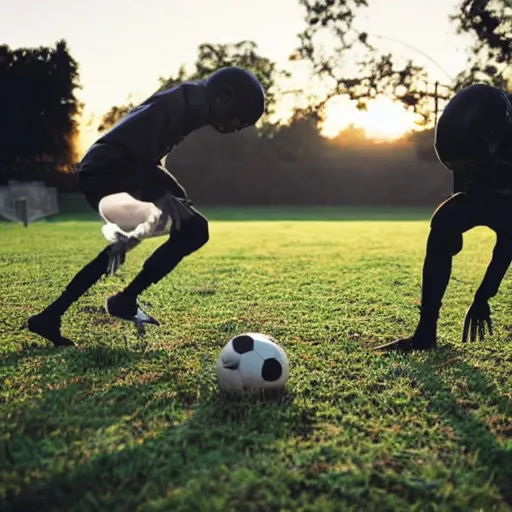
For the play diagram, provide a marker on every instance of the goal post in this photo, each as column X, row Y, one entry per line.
column 21, row 208
column 27, row 202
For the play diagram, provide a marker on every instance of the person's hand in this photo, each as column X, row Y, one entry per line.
column 477, row 319
column 117, row 251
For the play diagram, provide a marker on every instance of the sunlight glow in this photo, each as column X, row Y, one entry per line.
column 384, row 119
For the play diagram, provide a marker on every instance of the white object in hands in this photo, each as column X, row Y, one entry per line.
column 252, row 362
column 110, row 230
column 133, row 218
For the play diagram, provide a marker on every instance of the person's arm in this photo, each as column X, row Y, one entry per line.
column 478, row 315
column 497, row 269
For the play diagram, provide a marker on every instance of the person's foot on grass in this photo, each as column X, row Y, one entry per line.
column 47, row 325
column 418, row 342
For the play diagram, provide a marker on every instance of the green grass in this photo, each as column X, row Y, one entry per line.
column 122, row 424
column 74, row 207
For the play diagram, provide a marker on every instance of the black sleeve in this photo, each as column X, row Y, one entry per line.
column 498, row 267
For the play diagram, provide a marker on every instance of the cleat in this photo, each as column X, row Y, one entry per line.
column 47, row 326
column 142, row 318
column 120, row 306
column 127, row 309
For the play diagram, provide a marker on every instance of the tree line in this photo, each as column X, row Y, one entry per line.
column 280, row 161
column 39, row 110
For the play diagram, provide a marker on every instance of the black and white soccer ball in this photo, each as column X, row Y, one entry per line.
column 252, row 362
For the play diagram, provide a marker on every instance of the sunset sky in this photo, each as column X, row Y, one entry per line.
column 123, row 46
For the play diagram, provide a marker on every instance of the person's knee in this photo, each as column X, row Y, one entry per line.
column 446, row 234
column 193, row 234
column 444, row 242
column 199, row 232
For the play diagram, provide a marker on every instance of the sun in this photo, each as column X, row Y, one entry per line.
column 384, row 120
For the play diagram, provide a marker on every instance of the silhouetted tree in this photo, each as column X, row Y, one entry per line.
column 38, row 106
column 210, row 58
column 330, row 34
column 490, row 23
column 328, row 40
column 114, row 115
column 300, row 137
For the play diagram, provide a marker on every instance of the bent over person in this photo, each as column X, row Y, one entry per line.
column 121, row 178
column 473, row 140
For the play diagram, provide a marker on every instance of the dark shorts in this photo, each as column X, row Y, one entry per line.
column 146, row 183
column 109, row 168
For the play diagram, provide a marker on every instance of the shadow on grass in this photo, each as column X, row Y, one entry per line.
column 77, row 359
column 114, row 440
column 457, row 410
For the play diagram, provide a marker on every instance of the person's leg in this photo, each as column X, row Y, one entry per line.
column 191, row 237
column 48, row 323
column 104, row 193
column 454, row 217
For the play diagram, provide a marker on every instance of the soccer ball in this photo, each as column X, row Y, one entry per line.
column 252, row 362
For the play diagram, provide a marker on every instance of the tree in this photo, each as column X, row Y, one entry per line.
column 328, row 40
column 114, row 115
column 331, row 37
column 38, row 104
column 211, row 57
column 490, row 24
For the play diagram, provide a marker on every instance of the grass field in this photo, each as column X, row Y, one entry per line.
column 120, row 424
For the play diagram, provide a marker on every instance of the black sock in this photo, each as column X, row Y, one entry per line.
column 163, row 261
column 87, row 277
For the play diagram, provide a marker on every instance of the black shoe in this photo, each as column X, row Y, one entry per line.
column 126, row 308
column 407, row 345
column 121, row 306
column 47, row 325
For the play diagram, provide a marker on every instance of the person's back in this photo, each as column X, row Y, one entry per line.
column 151, row 130
column 474, row 138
